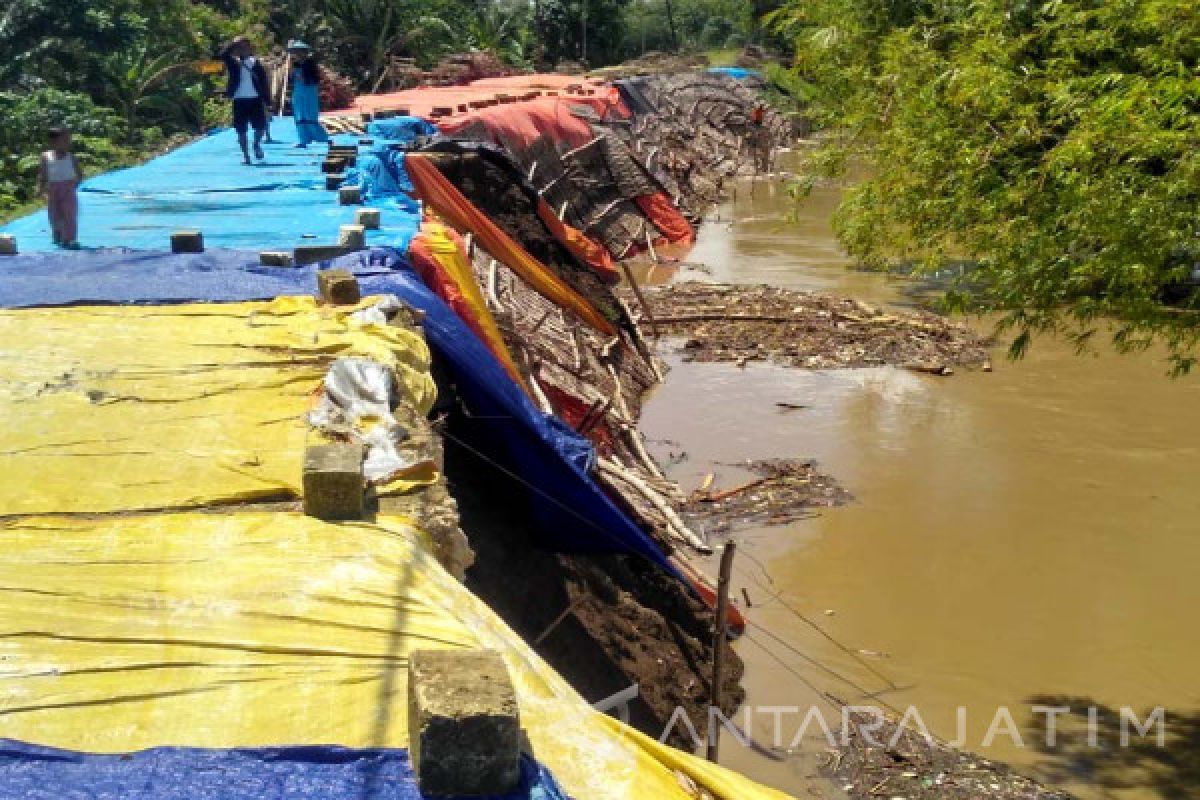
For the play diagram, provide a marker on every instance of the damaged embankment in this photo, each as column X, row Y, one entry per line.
column 608, row 623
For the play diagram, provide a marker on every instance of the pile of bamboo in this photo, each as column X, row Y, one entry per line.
column 594, row 382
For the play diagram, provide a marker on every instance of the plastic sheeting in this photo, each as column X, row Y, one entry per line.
column 421, row 101
column 740, row 73
column 283, row 773
column 119, row 408
column 575, row 514
column 276, row 204
column 666, row 217
column 440, row 195
column 266, row 629
column 521, row 124
column 585, row 249
column 400, row 129
column 437, row 253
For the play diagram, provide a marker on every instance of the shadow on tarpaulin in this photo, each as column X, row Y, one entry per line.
column 277, row 204
column 573, row 513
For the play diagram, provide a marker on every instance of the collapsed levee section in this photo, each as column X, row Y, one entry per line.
column 701, row 133
column 605, row 621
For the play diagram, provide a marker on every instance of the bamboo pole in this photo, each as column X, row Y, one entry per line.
column 719, row 645
column 677, row 525
column 641, row 298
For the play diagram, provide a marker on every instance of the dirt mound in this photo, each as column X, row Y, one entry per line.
column 803, row 329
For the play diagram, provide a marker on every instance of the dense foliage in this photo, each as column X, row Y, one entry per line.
column 125, row 74
column 1050, row 148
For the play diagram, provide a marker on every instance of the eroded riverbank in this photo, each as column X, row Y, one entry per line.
column 1015, row 535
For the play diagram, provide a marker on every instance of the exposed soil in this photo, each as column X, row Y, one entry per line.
column 803, row 329
column 782, row 493
column 917, row 768
column 603, row 622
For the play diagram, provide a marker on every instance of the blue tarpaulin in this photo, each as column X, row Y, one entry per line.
column 741, row 73
column 401, row 129
column 31, row 772
column 275, row 204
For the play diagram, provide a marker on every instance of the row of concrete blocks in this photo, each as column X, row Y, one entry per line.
column 464, row 727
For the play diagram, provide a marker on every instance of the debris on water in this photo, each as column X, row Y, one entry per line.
column 783, row 491
column 875, row 753
column 743, row 324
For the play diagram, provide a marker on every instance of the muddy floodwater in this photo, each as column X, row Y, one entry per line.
column 1029, row 535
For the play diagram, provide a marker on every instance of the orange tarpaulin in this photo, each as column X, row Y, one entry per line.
column 521, row 124
column 586, row 249
column 438, row 254
column 666, row 217
column 421, row 102
column 433, row 188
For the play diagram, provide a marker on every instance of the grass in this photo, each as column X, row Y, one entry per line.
column 723, row 57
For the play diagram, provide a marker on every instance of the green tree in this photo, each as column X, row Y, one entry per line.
column 582, row 30
column 1052, row 146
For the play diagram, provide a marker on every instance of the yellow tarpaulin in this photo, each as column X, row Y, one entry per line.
column 269, row 629
column 123, row 408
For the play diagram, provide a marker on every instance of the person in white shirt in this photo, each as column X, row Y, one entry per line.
column 58, row 178
column 250, row 90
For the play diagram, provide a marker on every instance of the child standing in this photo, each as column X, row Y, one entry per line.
column 57, row 179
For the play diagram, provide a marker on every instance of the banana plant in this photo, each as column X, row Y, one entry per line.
column 132, row 76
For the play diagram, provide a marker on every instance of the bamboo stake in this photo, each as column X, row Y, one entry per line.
column 641, row 298
column 719, row 645
column 635, row 438
column 491, row 285
column 656, row 500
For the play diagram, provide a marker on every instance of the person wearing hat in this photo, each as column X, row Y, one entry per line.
column 250, row 90
column 306, row 94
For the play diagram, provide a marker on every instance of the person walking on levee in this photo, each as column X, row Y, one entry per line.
column 306, row 94
column 250, row 90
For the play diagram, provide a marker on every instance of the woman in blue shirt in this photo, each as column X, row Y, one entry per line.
column 306, row 88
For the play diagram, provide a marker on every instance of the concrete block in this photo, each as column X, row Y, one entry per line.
column 187, row 242
column 338, row 287
column 333, row 180
column 352, row 236
column 369, row 218
column 315, row 253
column 464, row 728
column 333, row 164
column 8, row 244
column 334, row 486
column 350, row 195
column 276, row 258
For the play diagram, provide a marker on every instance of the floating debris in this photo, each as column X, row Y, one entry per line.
column 741, row 324
column 912, row 766
column 783, row 492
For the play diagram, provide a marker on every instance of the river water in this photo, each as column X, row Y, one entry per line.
column 1029, row 532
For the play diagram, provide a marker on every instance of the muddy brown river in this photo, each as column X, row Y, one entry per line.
column 1020, row 535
